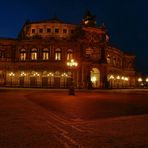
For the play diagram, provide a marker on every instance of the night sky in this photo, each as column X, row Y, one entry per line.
column 126, row 20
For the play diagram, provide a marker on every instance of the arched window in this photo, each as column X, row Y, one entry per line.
column 58, row 54
column 118, row 62
column 108, row 59
column 45, row 54
column 94, row 78
column 114, row 60
column 69, row 54
column 23, row 54
column 34, row 54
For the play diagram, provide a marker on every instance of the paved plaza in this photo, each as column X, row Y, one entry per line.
column 42, row 118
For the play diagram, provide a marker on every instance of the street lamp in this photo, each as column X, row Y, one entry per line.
column 11, row 75
column 72, row 64
column 140, row 82
column 139, row 79
column 111, row 78
column 50, row 75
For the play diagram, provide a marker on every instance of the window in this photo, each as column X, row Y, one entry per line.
column 2, row 54
column 72, row 31
column 22, row 54
column 114, row 61
column 58, row 54
column 108, row 59
column 69, row 54
column 34, row 54
column 33, row 30
column 48, row 30
column 56, row 30
column 88, row 52
column 64, row 30
column 40, row 30
column 45, row 54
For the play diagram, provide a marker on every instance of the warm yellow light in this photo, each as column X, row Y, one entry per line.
column 93, row 79
column 72, row 63
column 23, row 74
column 118, row 77
column 11, row 74
column 122, row 78
column 36, row 74
column 146, row 80
column 86, row 22
column 126, row 79
column 139, row 79
column 111, row 77
column 50, row 74
column 64, row 75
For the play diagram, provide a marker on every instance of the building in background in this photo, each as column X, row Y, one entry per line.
column 38, row 57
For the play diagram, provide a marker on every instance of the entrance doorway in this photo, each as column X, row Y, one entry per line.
column 22, row 81
column 33, row 82
column 44, row 82
column 95, row 77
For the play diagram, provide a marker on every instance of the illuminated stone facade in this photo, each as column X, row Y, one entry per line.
column 38, row 57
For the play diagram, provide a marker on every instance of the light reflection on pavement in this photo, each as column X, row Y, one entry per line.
column 42, row 118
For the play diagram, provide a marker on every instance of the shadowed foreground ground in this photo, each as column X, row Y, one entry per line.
column 53, row 119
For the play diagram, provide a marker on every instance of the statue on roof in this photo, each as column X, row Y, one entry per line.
column 89, row 19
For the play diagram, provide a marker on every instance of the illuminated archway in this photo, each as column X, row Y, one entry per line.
column 95, row 77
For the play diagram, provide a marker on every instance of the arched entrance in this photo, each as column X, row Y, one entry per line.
column 95, row 77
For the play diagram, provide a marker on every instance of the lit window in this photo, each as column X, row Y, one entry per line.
column 108, row 59
column 69, row 54
column 45, row 54
column 58, row 54
column 56, row 30
column 34, row 54
column 23, row 55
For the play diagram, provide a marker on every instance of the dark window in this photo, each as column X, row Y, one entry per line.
column 48, row 30
column 2, row 54
column 33, row 30
column 64, row 30
column 56, row 30
column 40, row 30
column 72, row 31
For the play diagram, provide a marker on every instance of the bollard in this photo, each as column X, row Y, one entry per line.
column 71, row 90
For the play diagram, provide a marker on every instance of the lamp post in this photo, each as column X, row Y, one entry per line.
column 71, row 65
column 11, row 77
column 140, row 82
column 111, row 78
